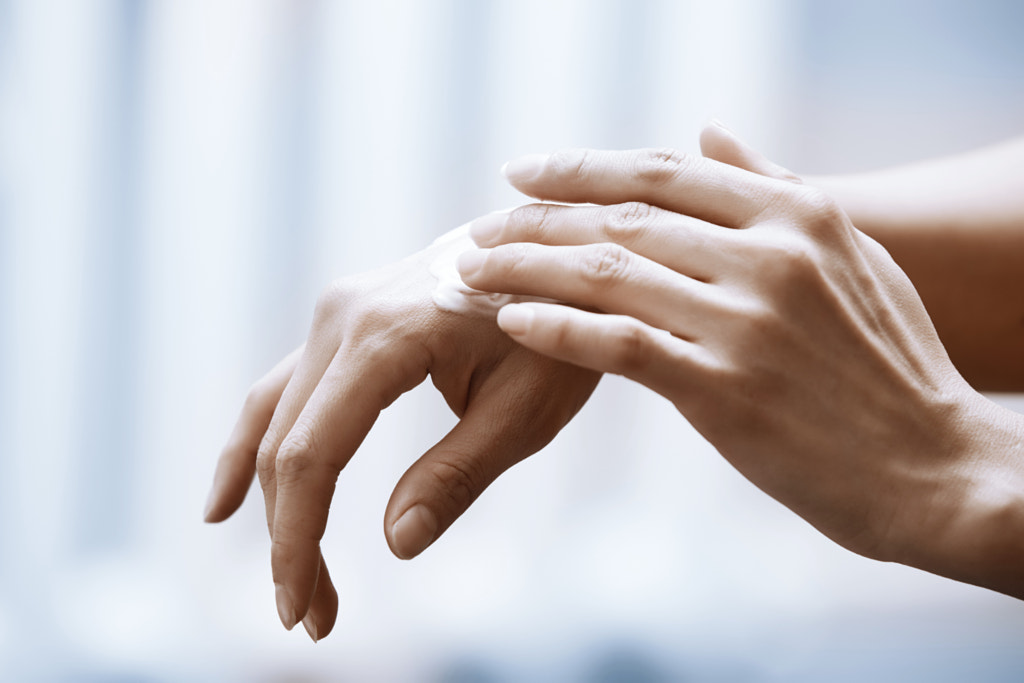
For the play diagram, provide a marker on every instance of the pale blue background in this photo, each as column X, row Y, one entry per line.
column 179, row 179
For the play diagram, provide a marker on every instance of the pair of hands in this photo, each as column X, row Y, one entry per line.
column 788, row 338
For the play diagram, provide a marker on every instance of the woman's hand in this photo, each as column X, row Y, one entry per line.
column 374, row 337
column 788, row 338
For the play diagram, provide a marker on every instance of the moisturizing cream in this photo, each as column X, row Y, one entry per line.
column 451, row 293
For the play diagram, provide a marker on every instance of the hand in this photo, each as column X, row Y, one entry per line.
column 374, row 337
column 788, row 338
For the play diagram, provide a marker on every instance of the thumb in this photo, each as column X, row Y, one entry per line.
column 515, row 414
column 721, row 144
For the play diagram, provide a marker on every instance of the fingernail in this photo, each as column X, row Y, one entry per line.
column 515, row 318
column 718, row 122
column 413, row 531
column 310, row 625
column 209, row 507
column 469, row 262
column 486, row 229
column 285, row 610
column 524, row 168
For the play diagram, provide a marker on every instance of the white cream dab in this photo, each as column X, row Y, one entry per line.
column 451, row 293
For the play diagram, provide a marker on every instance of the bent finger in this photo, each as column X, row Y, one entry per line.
column 237, row 463
column 323, row 608
column 360, row 382
column 507, row 421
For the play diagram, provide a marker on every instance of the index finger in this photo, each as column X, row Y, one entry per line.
column 688, row 184
column 357, row 385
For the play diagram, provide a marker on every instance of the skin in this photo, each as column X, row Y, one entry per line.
column 787, row 337
column 375, row 336
column 956, row 227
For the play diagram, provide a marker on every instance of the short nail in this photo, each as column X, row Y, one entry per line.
column 486, row 229
column 515, row 318
column 718, row 122
column 469, row 262
column 525, row 168
column 285, row 609
column 310, row 625
column 413, row 531
column 209, row 507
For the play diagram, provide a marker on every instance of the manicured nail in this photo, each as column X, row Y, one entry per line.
column 469, row 262
column 524, row 168
column 285, row 610
column 486, row 229
column 413, row 531
column 310, row 625
column 515, row 318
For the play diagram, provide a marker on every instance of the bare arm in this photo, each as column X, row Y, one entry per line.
column 956, row 227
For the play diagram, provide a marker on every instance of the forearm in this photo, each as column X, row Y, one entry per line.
column 956, row 226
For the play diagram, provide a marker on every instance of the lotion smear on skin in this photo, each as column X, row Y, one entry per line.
column 451, row 293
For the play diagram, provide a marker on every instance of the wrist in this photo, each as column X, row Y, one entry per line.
column 971, row 528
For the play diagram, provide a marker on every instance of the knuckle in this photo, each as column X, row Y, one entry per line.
column 630, row 352
column 661, row 166
column 788, row 265
column 531, row 223
column 457, row 482
column 604, row 266
column 819, row 210
column 509, row 259
column 260, row 399
column 265, row 456
column 573, row 165
column 626, row 222
column 331, row 302
column 296, row 455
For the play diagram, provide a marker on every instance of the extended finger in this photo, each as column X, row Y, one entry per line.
column 608, row 343
column 603, row 276
column 237, row 463
column 685, row 244
column 507, row 421
column 360, row 382
column 684, row 183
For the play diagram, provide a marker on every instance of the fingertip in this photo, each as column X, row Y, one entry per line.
column 486, row 230
column 713, row 136
column 214, row 511
column 516, row 319
column 209, row 509
column 469, row 262
column 525, row 168
column 414, row 531
column 285, row 607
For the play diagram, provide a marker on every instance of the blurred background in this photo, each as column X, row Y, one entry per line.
column 178, row 180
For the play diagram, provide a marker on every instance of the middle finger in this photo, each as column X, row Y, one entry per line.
column 687, row 245
column 604, row 276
